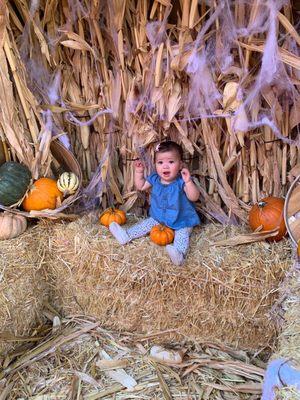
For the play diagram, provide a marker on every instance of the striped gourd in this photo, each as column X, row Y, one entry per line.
column 68, row 183
column 15, row 179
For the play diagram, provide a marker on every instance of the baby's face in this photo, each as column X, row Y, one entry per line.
column 168, row 165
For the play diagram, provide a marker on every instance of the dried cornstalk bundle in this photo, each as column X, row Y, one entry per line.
column 22, row 126
column 116, row 77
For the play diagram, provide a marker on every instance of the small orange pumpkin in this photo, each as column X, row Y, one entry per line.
column 162, row 235
column 43, row 194
column 268, row 213
column 112, row 215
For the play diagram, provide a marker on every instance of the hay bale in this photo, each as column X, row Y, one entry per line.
column 22, row 285
column 289, row 338
column 221, row 294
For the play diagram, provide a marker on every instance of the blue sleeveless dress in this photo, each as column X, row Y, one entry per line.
column 169, row 204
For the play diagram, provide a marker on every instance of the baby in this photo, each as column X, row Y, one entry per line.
column 172, row 195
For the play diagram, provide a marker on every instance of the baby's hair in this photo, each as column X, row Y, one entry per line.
column 168, row 145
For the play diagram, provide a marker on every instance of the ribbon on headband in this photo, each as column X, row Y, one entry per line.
column 157, row 147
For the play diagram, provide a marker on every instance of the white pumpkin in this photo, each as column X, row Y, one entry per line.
column 11, row 225
column 68, row 183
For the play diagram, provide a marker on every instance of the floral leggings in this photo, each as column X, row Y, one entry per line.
column 181, row 239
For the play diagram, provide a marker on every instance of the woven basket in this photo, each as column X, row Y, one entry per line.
column 65, row 162
column 292, row 211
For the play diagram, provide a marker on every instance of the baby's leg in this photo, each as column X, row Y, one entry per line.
column 182, row 240
column 141, row 228
column 179, row 248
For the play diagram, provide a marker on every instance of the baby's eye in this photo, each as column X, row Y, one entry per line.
column 171, row 162
column 159, row 162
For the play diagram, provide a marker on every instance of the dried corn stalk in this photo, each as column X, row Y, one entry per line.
column 221, row 79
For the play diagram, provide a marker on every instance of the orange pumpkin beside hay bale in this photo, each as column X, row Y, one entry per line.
column 43, row 194
column 268, row 214
column 161, row 235
column 112, row 215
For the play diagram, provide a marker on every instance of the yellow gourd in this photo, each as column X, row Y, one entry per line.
column 68, row 183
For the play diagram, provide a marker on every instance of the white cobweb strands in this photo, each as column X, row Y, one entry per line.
column 239, row 119
column 156, row 30
column 155, row 33
column 203, row 91
column 269, row 65
column 259, row 24
column 149, row 84
column 272, row 73
column 91, row 193
column 270, row 60
column 44, row 85
column 71, row 118
column 76, row 8
column 226, row 39
column 65, row 140
column 34, row 5
column 53, row 90
column 145, row 157
column 39, row 76
column 54, row 97
column 131, row 102
column 206, row 26
column 264, row 120
column 48, row 120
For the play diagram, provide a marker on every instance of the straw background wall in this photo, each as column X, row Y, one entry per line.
column 112, row 78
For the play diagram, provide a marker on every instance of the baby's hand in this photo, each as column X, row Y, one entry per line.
column 186, row 175
column 139, row 166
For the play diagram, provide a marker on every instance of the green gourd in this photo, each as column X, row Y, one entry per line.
column 14, row 182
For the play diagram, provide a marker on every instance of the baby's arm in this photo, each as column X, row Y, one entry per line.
column 190, row 188
column 139, row 179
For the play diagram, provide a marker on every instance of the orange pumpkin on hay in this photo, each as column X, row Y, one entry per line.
column 43, row 194
column 268, row 213
column 112, row 215
column 162, row 235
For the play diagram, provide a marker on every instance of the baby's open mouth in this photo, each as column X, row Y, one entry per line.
column 166, row 173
